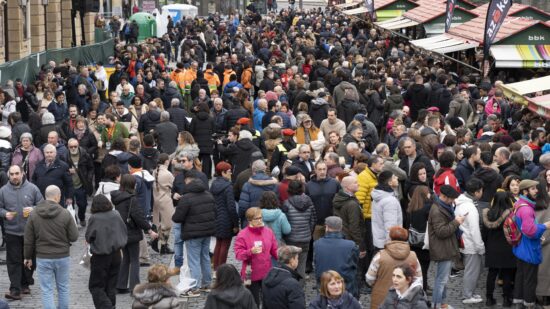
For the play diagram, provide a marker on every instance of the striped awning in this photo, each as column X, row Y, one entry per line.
column 359, row 10
column 540, row 105
column 443, row 44
column 521, row 56
column 397, row 23
column 516, row 91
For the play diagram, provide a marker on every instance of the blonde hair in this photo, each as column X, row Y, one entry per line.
column 326, row 277
column 252, row 212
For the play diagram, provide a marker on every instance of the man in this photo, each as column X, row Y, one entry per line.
column 383, row 151
column 259, row 114
column 196, row 212
column 528, row 251
column 127, row 94
column 178, row 115
column 386, row 209
column 348, row 209
column 466, row 167
column 148, row 153
column 149, row 120
column 167, row 134
column 505, row 166
column 125, row 117
column 81, row 168
column 53, row 171
column 280, row 288
column 491, row 179
column 58, row 107
column 303, row 162
column 68, row 125
column 17, row 199
column 333, row 252
column 536, row 141
column 49, row 232
column 59, row 145
column 393, row 137
column 218, row 114
column 355, row 135
column 474, row 248
column 442, row 228
column 418, row 95
column 332, row 124
column 281, row 152
column 332, row 160
column 112, row 131
column 252, row 191
column 271, row 111
column 408, row 145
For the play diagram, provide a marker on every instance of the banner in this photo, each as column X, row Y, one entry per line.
column 451, row 4
column 369, row 4
column 498, row 9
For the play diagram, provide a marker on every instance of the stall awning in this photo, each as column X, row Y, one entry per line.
column 383, row 15
column 359, row 10
column 516, row 91
column 443, row 44
column 521, row 56
column 540, row 105
column 397, row 23
column 344, row 6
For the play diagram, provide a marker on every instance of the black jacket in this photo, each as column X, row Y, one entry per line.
column 318, row 111
column 239, row 154
column 57, row 174
column 131, row 213
column 281, row 289
column 149, row 158
column 508, row 169
column 232, row 298
column 167, row 137
column 321, row 193
column 16, row 131
column 404, row 165
column 419, row 96
column 303, row 167
column 235, row 113
column 169, row 94
column 202, row 128
column 88, row 142
column 491, row 182
column 148, row 121
column 226, row 213
column 179, row 117
column 346, row 111
column 84, row 168
column 196, row 211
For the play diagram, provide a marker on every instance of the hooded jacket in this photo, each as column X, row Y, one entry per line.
column 106, row 232
column 277, row 221
column 156, row 296
column 148, row 121
column 226, row 214
column 347, row 109
column 49, row 232
column 492, row 180
column 232, row 298
column 418, row 96
column 281, row 289
column 498, row 252
column 127, row 206
column 393, row 102
column 413, row 298
column 366, row 180
column 349, row 210
column 386, row 212
column 106, row 187
column 252, row 192
column 301, row 216
column 202, row 127
column 239, row 154
column 529, row 249
column 318, row 110
column 196, row 211
column 471, row 234
column 321, row 192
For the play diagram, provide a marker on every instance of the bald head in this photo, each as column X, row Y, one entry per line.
column 53, row 194
column 349, row 184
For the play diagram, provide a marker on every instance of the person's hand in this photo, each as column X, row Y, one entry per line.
column 235, row 230
column 153, row 235
column 69, row 201
column 362, row 254
column 256, row 250
column 547, row 224
column 177, row 196
column 28, row 263
column 71, row 171
column 460, row 219
column 219, row 142
column 10, row 215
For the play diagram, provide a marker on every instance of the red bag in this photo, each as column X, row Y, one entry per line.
column 511, row 228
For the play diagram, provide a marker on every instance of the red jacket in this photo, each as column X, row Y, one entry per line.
column 445, row 176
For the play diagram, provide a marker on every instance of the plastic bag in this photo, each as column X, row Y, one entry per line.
column 85, row 261
column 71, row 210
column 186, row 280
column 426, row 239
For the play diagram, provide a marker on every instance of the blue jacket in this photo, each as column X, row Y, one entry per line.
column 252, row 191
column 226, row 210
column 60, row 112
column 144, row 190
column 333, row 252
column 529, row 248
column 277, row 221
column 322, row 193
column 258, row 116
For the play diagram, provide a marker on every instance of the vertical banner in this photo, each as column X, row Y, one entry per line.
column 497, row 11
column 369, row 4
column 451, row 4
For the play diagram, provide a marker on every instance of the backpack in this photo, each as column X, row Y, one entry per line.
column 512, row 231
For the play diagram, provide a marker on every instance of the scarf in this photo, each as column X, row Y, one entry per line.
column 451, row 210
column 384, row 187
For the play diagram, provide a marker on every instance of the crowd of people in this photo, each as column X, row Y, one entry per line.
column 310, row 143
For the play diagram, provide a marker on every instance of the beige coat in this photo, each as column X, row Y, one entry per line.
column 163, row 207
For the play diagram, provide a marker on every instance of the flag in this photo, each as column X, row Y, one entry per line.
column 497, row 11
column 369, row 4
column 451, row 5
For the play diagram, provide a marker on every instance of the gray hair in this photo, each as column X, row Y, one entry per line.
column 52, row 191
column 186, row 155
column 381, row 148
column 352, row 146
column 258, row 166
column 25, row 135
column 334, row 223
column 48, row 118
column 164, row 116
column 175, row 102
column 286, row 253
column 544, row 160
column 50, row 147
column 527, row 153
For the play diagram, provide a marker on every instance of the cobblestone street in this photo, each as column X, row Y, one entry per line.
column 81, row 298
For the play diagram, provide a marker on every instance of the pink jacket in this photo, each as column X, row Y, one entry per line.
column 260, row 263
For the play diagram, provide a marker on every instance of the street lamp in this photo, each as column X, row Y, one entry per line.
column 45, row 4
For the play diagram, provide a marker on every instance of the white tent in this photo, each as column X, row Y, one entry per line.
column 177, row 11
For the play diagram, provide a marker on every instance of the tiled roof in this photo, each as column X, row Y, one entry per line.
column 379, row 4
column 428, row 10
column 474, row 30
column 516, row 7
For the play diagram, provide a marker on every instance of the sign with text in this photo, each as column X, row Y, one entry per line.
column 369, row 4
column 451, row 5
column 498, row 9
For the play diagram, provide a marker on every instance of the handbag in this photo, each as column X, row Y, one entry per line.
column 416, row 238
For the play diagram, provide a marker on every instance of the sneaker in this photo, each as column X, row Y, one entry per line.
column 446, row 306
column 455, row 273
column 192, row 293
column 205, row 289
column 472, row 300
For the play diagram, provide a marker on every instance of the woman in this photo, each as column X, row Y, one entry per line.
column 463, row 137
column 186, row 143
column 106, row 234
column 86, row 139
column 301, row 215
column 511, row 185
column 418, row 212
column 46, row 99
column 308, row 133
column 418, row 177
column 227, row 220
column 8, row 105
column 163, row 209
column 285, row 109
column 158, row 293
column 255, row 246
column 498, row 253
column 406, row 291
column 543, row 195
column 202, row 127
column 274, row 218
column 333, row 293
column 26, row 155
column 228, row 291
column 395, row 252
column 127, row 206
column 334, row 139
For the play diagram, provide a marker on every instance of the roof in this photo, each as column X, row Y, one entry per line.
column 474, row 30
column 428, row 10
column 379, row 4
column 516, row 7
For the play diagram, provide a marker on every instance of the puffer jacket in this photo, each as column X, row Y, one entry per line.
column 367, row 181
column 196, row 211
column 233, row 114
column 471, row 234
column 393, row 102
column 252, row 192
column 156, row 296
column 239, row 155
column 226, row 213
column 281, row 289
column 301, row 216
column 321, row 192
column 347, row 208
column 413, row 298
column 232, row 298
column 149, row 121
column 386, row 212
column 347, row 109
column 202, row 127
column 276, row 220
column 260, row 263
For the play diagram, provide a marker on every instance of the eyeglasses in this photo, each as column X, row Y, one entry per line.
column 183, row 160
column 257, row 219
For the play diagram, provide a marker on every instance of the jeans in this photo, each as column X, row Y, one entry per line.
column 50, row 272
column 198, row 258
column 103, row 278
column 20, row 276
column 473, row 264
column 129, row 267
column 178, row 245
column 81, row 200
column 442, row 273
